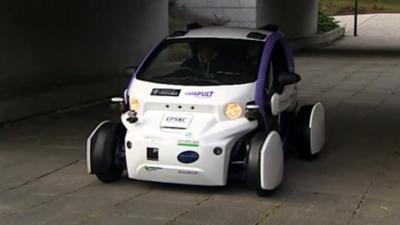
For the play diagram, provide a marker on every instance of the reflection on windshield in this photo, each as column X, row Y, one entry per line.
column 203, row 62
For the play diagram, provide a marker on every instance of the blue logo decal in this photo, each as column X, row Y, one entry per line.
column 200, row 94
column 188, row 157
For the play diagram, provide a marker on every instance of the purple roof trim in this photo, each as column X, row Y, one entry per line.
column 264, row 68
column 142, row 63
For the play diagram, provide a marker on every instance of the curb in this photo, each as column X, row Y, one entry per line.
column 317, row 40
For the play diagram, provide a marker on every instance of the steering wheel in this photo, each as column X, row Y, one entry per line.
column 181, row 73
column 206, row 80
column 186, row 71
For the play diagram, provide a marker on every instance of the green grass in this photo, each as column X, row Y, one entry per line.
column 341, row 7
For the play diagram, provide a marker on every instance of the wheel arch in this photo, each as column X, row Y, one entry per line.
column 89, row 146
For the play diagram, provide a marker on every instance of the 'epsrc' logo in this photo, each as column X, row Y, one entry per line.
column 176, row 119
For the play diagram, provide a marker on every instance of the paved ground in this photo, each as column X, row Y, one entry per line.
column 356, row 180
column 378, row 32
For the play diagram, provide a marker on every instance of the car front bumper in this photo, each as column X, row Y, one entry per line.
column 209, row 169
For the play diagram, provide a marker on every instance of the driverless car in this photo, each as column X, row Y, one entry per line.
column 205, row 104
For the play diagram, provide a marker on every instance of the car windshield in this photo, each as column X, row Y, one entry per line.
column 203, row 62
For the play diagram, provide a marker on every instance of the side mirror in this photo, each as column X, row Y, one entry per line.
column 252, row 112
column 287, row 78
column 119, row 102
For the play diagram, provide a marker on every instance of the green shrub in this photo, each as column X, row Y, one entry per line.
column 326, row 23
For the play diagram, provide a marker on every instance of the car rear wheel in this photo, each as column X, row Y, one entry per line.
column 310, row 123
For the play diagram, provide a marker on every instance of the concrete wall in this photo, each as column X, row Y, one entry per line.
column 65, row 52
column 240, row 13
column 297, row 18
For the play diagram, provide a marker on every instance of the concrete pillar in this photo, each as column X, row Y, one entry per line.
column 237, row 13
column 61, row 53
column 297, row 18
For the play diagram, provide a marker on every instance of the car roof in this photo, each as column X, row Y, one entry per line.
column 225, row 33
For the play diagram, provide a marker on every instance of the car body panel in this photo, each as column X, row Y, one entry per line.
column 209, row 128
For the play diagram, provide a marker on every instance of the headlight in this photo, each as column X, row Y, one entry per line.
column 233, row 111
column 134, row 104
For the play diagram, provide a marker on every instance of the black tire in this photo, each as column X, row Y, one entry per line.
column 286, row 129
column 253, row 164
column 304, row 133
column 106, row 143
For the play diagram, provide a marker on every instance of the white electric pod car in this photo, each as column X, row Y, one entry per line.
column 206, row 103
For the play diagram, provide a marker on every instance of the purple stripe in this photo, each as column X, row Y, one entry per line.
column 264, row 68
column 142, row 63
